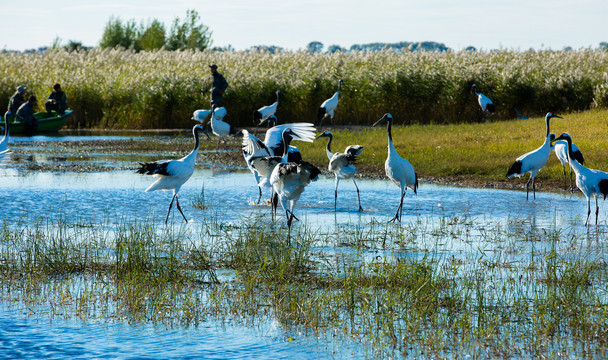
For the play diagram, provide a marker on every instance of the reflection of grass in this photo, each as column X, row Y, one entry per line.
column 411, row 294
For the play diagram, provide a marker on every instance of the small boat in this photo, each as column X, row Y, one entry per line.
column 45, row 123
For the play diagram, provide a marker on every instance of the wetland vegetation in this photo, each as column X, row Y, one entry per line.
column 160, row 89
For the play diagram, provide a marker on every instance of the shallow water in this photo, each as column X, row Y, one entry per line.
column 113, row 196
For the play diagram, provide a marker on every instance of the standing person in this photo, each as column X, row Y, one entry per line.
column 219, row 86
column 56, row 101
column 26, row 113
column 16, row 100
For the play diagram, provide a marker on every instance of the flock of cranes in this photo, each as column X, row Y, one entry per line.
column 278, row 165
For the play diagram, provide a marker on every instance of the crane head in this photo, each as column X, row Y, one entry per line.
column 325, row 134
column 387, row 117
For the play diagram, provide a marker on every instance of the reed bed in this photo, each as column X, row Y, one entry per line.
column 534, row 293
column 161, row 89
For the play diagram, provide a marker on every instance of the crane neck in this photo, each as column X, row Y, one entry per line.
column 286, row 140
column 391, row 145
column 328, row 148
column 547, row 124
column 339, row 86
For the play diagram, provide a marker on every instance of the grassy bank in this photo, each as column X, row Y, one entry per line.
column 122, row 89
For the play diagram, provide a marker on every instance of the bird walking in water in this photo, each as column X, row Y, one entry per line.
column 262, row 114
column 172, row 174
column 342, row 165
column 218, row 125
column 288, row 181
column 398, row 170
column 328, row 106
column 589, row 181
column 484, row 102
column 534, row 160
column 561, row 151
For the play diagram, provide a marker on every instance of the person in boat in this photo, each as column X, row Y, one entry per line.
column 16, row 100
column 57, row 101
column 25, row 113
column 219, row 86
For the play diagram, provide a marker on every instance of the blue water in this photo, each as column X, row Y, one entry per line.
column 23, row 336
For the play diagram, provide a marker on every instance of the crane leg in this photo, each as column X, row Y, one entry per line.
column 571, row 188
column 179, row 208
column 397, row 216
column 565, row 185
column 588, row 211
column 336, row 195
column 259, row 197
column 597, row 208
column 528, row 188
column 170, row 206
column 358, row 196
column 534, row 187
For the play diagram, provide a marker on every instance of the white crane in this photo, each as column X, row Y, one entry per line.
column 534, row 160
column 342, row 164
column 172, row 174
column 260, row 115
column 200, row 116
column 288, row 181
column 328, row 106
column 277, row 138
column 218, row 126
column 484, row 102
column 4, row 140
column 399, row 170
column 589, row 181
column 561, row 151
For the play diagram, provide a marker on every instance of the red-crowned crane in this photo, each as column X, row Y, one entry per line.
column 484, row 102
column 328, row 106
column 172, row 174
column 399, row 170
column 590, row 182
column 342, row 164
column 533, row 161
column 274, row 144
column 218, row 126
column 260, row 115
column 288, row 181
column 561, row 151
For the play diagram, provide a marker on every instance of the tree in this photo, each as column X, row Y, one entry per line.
column 189, row 33
column 314, row 46
column 152, row 36
column 334, row 48
column 603, row 46
column 117, row 34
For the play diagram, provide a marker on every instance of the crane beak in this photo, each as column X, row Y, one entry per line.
column 379, row 121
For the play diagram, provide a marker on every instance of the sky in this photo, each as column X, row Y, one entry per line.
column 292, row 24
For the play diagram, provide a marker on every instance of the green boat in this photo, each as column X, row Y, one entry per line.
column 45, row 123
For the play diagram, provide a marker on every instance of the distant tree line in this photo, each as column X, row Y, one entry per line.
column 402, row 46
column 187, row 33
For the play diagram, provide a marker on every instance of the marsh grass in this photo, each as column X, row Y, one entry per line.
column 397, row 296
column 160, row 89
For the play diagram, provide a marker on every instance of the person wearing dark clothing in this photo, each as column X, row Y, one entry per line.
column 56, row 101
column 16, row 100
column 25, row 113
column 219, row 86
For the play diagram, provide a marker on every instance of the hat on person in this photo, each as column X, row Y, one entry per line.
column 20, row 88
column 213, row 66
